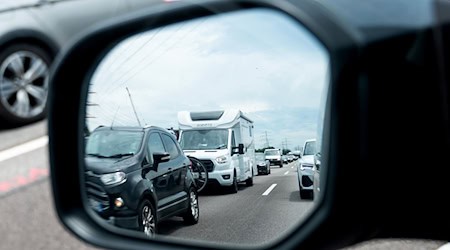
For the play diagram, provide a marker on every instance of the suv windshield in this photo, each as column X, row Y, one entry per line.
column 310, row 148
column 259, row 157
column 204, row 139
column 113, row 143
column 272, row 152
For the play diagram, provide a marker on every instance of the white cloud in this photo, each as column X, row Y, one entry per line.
column 210, row 66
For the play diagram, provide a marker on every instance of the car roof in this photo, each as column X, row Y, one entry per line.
column 131, row 128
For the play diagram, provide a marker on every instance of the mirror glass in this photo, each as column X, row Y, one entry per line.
column 233, row 101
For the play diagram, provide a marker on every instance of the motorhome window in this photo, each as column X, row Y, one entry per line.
column 310, row 148
column 171, row 147
column 233, row 140
column 109, row 143
column 204, row 139
column 155, row 144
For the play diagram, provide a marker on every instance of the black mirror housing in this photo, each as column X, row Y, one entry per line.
column 160, row 157
column 354, row 62
column 241, row 149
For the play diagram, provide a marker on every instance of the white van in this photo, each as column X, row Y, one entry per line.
column 274, row 156
column 223, row 141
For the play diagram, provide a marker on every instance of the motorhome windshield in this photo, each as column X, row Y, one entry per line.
column 114, row 143
column 310, row 148
column 204, row 139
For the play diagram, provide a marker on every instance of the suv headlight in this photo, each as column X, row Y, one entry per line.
column 113, row 178
column 221, row 159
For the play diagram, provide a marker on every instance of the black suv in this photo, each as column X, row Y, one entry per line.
column 135, row 177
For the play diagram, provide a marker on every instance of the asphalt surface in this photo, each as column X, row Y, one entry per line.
column 28, row 219
column 248, row 217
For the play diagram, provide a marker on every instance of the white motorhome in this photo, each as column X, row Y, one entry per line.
column 223, row 141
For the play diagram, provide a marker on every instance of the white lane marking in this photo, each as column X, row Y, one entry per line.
column 267, row 192
column 444, row 247
column 23, row 148
column 287, row 172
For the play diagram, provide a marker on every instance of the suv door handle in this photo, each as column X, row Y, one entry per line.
column 169, row 170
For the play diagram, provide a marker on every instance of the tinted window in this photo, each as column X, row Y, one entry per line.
column 155, row 144
column 114, row 142
column 171, row 147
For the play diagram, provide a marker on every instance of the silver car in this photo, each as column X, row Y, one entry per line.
column 305, row 170
column 31, row 34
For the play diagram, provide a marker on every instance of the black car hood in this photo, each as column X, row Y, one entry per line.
column 110, row 165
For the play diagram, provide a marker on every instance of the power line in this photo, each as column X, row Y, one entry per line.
column 130, row 56
column 157, row 57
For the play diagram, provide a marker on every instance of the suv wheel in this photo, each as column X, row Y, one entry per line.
column 147, row 218
column 193, row 211
column 249, row 181
column 24, row 74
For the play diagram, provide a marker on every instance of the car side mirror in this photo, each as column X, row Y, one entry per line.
column 160, row 157
column 306, row 39
column 85, row 63
column 238, row 150
column 241, row 149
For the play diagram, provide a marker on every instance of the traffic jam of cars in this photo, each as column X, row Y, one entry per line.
column 137, row 177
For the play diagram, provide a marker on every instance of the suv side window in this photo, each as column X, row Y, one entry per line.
column 155, row 144
column 171, row 147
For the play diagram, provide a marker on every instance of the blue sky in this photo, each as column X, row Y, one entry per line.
column 258, row 61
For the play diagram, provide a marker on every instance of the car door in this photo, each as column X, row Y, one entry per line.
column 65, row 19
column 178, row 168
column 160, row 177
column 235, row 157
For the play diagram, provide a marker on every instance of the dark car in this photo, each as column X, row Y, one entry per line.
column 262, row 163
column 136, row 177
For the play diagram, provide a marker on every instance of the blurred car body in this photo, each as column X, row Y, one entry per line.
column 262, row 163
column 305, row 170
column 31, row 34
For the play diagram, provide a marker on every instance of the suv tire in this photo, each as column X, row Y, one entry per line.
column 193, row 212
column 147, row 219
column 34, row 98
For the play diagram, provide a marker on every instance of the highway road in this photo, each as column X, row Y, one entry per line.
column 28, row 220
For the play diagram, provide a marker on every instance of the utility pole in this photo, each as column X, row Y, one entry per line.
column 267, row 139
column 134, row 109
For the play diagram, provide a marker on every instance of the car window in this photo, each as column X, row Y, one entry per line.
column 310, row 148
column 233, row 140
column 170, row 146
column 155, row 144
column 108, row 143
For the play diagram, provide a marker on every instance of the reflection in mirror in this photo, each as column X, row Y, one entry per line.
column 205, row 129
